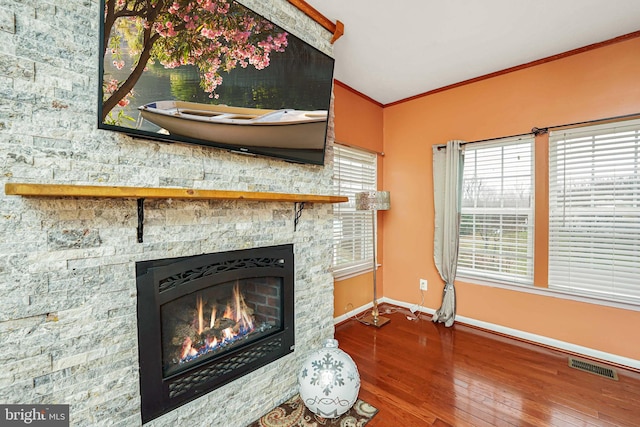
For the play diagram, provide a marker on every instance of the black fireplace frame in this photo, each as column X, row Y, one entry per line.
column 164, row 280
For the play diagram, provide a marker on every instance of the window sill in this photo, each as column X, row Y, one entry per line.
column 348, row 273
column 530, row 289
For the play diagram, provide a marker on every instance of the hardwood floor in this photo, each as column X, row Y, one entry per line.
column 418, row 373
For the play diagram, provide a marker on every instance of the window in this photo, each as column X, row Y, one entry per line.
column 496, row 226
column 594, row 211
column 591, row 230
column 354, row 171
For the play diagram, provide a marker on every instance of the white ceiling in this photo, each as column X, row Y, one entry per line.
column 392, row 50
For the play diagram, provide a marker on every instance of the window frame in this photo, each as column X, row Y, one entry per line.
column 354, row 170
column 600, row 149
column 502, row 275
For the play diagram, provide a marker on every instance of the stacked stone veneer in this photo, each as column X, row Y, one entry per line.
column 68, row 328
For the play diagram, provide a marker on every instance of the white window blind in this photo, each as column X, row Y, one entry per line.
column 496, row 226
column 354, row 171
column 594, row 211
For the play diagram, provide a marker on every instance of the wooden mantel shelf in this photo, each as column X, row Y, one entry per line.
column 337, row 29
column 56, row 190
column 142, row 193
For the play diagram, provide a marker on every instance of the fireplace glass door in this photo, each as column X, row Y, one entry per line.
column 217, row 319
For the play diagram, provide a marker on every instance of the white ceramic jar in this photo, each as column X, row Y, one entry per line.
column 329, row 381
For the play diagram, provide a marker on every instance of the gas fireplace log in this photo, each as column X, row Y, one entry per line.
column 224, row 323
column 186, row 330
column 183, row 331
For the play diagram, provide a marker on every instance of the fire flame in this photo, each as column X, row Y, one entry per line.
column 200, row 315
column 236, row 311
column 227, row 333
column 213, row 318
column 228, row 313
column 187, row 349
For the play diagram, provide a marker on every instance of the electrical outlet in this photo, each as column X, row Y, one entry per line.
column 423, row 284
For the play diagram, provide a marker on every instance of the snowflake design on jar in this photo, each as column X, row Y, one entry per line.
column 327, row 373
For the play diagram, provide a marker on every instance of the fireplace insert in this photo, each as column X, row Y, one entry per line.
column 206, row 320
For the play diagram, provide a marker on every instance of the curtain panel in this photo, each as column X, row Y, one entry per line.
column 448, row 165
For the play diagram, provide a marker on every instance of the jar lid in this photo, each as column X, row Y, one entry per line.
column 330, row 343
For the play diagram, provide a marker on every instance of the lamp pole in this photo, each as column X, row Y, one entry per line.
column 375, row 314
column 374, row 201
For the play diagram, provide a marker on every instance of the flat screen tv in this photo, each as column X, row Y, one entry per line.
column 214, row 73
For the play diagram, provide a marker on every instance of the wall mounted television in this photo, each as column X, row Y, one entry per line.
column 213, row 73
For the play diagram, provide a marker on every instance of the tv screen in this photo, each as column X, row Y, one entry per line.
column 215, row 73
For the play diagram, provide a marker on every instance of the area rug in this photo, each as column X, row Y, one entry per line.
column 293, row 413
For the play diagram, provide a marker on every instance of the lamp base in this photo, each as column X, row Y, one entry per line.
column 371, row 321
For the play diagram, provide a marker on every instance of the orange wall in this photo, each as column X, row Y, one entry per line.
column 358, row 122
column 595, row 84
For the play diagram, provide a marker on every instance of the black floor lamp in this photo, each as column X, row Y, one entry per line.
column 374, row 201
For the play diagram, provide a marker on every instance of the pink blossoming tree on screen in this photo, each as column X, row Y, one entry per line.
column 212, row 35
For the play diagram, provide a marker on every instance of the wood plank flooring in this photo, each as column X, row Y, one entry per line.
column 418, row 373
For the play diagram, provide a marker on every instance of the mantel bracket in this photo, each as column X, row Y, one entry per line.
column 298, row 207
column 140, row 219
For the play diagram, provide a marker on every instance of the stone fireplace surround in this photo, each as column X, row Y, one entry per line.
column 67, row 266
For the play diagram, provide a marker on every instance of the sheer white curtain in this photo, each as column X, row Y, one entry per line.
column 448, row 165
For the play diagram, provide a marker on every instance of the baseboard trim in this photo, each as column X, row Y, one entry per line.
column 565, row 347
column 352, row 313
